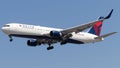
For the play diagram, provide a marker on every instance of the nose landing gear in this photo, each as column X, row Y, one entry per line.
column 10, row 38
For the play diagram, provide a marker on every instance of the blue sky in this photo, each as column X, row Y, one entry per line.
column 60, row 14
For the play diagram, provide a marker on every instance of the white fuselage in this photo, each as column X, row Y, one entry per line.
column 24, row 29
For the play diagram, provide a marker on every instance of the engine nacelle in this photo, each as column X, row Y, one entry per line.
column 55, row 34
column 32, row 43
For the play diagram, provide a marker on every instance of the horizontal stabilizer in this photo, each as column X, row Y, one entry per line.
column 105, row 35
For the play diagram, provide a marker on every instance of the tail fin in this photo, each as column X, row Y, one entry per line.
column 96, row 29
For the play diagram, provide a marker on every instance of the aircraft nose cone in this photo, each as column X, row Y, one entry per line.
column 3, row 29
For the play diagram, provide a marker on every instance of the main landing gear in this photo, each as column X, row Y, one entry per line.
column 10, row 38
column 50, row 47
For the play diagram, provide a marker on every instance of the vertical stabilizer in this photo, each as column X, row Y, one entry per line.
column 96, row 29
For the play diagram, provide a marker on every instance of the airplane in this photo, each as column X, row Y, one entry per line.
column 45, row 35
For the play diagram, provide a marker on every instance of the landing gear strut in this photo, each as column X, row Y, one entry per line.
column 50, row 47
column 10, row 38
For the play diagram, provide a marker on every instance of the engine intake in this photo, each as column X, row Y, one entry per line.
column 55, row 34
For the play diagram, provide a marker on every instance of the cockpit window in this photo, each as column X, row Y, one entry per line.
column 6, row 25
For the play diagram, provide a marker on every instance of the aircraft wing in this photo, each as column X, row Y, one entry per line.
column 46, row 41
column 85, row 26
column 80, row 28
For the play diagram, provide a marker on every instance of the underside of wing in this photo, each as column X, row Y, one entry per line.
column 47, row 41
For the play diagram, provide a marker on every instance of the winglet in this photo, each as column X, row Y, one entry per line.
column 97, row 27
column 109, row 15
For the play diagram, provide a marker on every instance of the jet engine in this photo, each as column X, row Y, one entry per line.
column 55, row 34
column 32, row 43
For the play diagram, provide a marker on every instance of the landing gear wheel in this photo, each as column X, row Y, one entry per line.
column 49, row 48
column 11, row 40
